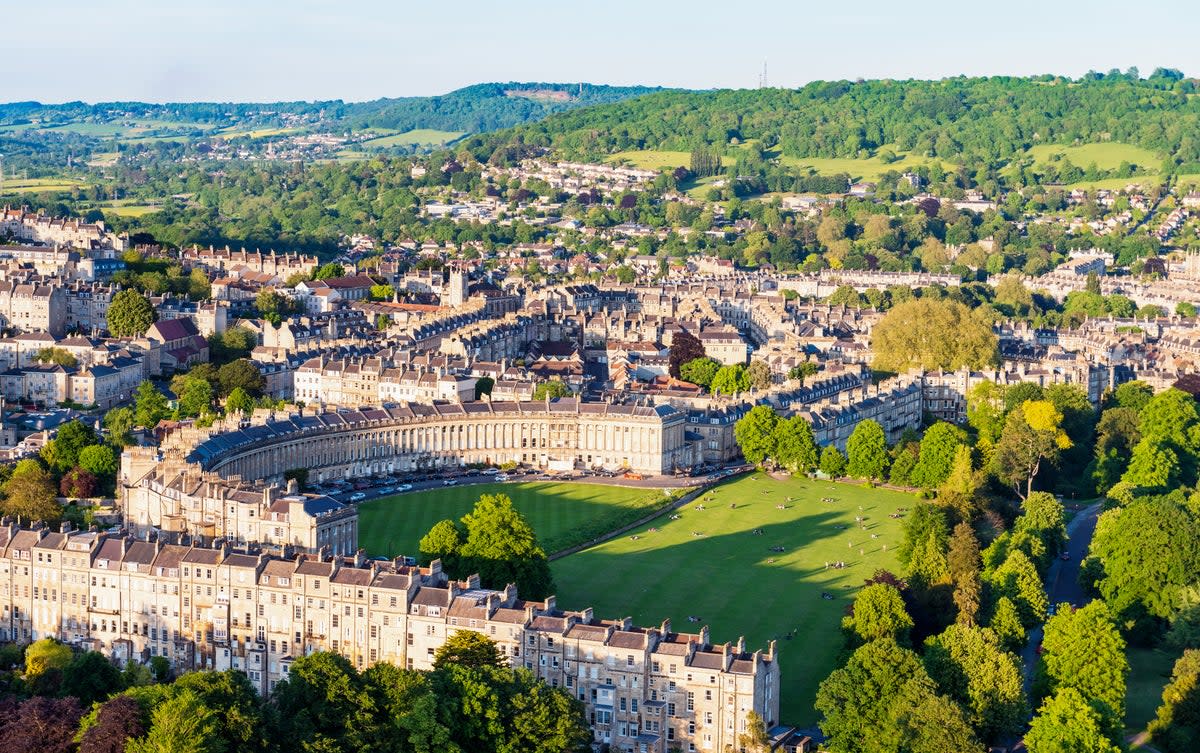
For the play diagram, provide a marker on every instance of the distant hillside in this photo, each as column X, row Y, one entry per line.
column 474, row 109
column 483, row 107
column 962, row 120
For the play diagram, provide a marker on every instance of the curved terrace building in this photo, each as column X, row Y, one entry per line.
column 559, row 435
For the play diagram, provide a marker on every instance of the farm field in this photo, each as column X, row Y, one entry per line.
column 861, row 169
column 729, row 577
column 562, row 514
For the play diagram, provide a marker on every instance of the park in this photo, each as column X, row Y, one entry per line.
column 759, row 556
column 717, row 560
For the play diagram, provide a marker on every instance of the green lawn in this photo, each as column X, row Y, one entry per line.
column 1149, row 672
column 562, row 514
column 653, row 159
column 1107, row 155
column 728, row 579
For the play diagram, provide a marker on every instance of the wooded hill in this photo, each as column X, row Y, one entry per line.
column 961, row 120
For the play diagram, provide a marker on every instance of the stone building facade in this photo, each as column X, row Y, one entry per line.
column 560, row 435
column 643, row 689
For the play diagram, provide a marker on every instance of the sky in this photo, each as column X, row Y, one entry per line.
column 273, row 50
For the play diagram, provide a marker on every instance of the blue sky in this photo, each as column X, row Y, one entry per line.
column 255, row 50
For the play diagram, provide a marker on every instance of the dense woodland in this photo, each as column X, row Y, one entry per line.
column 970, row 120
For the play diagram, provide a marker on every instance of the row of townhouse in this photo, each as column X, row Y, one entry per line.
column 644, row 690
column 103, row 384
column 351, row 382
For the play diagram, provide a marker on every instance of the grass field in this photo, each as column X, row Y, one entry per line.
column 418, row 137
column 1149, row 672
column 1106, row 155
column 731, row 580
column 651, row 159
column 861, row 169
column 129, row 210
column 38, row 185
column 562, row 514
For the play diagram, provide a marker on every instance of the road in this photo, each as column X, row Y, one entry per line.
column 385, row 489
column 1062, row 580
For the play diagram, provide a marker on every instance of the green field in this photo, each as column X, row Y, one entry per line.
column 731, row 580
column 38, row 185
column 562, row 514
column 1106, row 155
column 1149, row 672
column 417, row 137
column 652, row 159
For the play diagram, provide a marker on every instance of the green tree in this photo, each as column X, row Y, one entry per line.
column 468, row 648
column 57, row 356
column 119, row 423
column 1084, row 650
column 501, row 546
column 150, row 405
column 239, row 401
column 45, row 655
column 243, row 374
column 181, row 724
column 878, row 612
column 99, row 460
column 1032, row 435
column 759, row 374
column 794, row 445
column 130, row 314
column 1067, row 723
column 1176, row 728
column 551, row 389
column 91, row 678
column 730, row 380
column 444, row 541
column 970, row 665
column 833, row 463
column 196, row 396
column 912, row 335
column 329, row 271
column 939, row 447
column 699, row 371
column 30, row 494
column 866, row 451
column 924, row 520
column 72, row 437
column 1017, row 578
column 1133, row 395
column 1006, row 624
column 755, row 433
column 1150, row 551
column 484, row 386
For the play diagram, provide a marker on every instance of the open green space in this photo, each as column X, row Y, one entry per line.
column 417, row 137
column 562, row 514
column 1107, row 155
column 729, row 577
column 38, row 185
column 653, row 159
column 1149, row 672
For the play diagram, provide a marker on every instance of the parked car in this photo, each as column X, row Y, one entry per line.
column 404, row 488
column 491, row 471
column 387, row 490
column 502, row 477
column 449, row 482
column 357, row 497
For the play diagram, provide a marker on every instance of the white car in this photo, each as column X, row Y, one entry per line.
column 404, row 488
column 449, row 482
column 357, row 497
column 490, row 471
column 502, row 477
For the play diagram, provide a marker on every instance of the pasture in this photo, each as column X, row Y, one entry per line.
column 722, row 565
